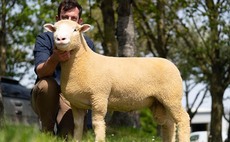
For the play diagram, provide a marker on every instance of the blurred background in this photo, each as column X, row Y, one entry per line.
column 193, row 34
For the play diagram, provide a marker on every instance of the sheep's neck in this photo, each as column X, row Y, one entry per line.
column 77, row 57
column 77, row 53
column 81, row 50
column 67, row 68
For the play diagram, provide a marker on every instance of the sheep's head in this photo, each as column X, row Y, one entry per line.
column 67, row 34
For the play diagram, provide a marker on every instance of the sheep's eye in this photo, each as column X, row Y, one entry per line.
column 76, row 29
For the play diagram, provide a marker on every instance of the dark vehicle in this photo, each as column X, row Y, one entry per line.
column 16, row 102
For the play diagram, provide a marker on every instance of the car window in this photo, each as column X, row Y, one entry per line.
column 12, row 88
column 194, row 138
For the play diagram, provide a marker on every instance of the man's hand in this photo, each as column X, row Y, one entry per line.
column 47, row 68
column 61, row 56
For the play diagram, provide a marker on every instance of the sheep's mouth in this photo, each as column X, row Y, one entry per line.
column 62, row 46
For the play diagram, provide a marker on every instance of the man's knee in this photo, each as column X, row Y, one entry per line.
column 47, row 85
column 45, row 92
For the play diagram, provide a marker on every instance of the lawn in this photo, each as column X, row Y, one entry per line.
column 23, row 133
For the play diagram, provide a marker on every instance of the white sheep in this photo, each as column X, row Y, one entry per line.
column 93, row 81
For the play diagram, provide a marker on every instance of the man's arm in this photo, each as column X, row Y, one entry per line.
column 49, row 66
column 46, row 57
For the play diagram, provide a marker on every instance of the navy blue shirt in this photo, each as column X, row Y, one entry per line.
column 44, row 49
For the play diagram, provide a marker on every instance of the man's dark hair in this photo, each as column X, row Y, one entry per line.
column 68, row 5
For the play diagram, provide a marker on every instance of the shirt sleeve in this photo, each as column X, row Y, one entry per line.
column 89, row 42
column 43, row 48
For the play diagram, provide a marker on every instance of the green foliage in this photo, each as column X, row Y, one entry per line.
column 147, row 122
column 23, row 22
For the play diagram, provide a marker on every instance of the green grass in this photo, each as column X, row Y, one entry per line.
column 11, row 132
column 123, row 134
column 23, row 133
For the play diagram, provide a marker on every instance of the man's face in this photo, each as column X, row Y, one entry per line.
column 72, row 14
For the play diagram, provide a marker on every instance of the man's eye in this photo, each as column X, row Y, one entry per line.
column 65, row 17
column 74, row 19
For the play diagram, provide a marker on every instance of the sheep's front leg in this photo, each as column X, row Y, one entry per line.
column 99, row 109
column 78, row 116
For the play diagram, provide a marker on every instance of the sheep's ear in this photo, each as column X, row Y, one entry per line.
column 49, row 27
column 85, row 27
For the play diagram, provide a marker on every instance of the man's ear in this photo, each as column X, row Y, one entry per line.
column 57, row 18
column 85, row 27
column 80, row 21
column 49, row 27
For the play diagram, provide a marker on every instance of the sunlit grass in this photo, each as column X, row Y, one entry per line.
column 123, row 135
column 23, row 133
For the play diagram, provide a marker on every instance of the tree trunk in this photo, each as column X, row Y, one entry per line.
column 3, row 40
column 2, row 53
column 217, row 88
column 216, row 113
column 161, row 42
column 110, row 43
column 126, row 38
column 217, row 84
column 125, row 29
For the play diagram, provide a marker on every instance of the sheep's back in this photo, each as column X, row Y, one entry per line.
column 123, row 80
column 138, row 81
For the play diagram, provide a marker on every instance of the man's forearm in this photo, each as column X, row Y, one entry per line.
column 47, row 68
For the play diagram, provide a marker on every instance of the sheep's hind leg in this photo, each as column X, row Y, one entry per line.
column 168, row 131
column 181, row 118
column 78, row 115
column 99, row 109
column 162, row 118
column 183, row 125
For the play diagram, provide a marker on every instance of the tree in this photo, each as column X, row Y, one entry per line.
column 125, row 29
column 109, row 43
column 107, row 35
column 193, row 105
column 15, row 39
column 126, row 45
column 3, row 38
column 19, row 27
column 2, row 53
column 206, row 53
column 156, row 26
column 209, row 57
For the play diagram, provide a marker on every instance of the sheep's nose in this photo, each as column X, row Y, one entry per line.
column 61, row 38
